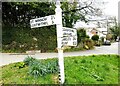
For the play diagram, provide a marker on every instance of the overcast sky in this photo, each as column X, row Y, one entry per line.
column 111, row 8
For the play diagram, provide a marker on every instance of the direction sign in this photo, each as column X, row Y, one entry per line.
column 69, row 41
column 69, row 31
column 43, row 21
column 69, row 35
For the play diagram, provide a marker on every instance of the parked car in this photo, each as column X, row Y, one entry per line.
column 107, row 42
column 118, row 39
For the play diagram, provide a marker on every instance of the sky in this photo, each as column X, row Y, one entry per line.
column 111, row 8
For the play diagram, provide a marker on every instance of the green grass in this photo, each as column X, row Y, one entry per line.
column 101, row 69
column 95, row 69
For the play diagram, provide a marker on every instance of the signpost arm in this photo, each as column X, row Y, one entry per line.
column 58, row 14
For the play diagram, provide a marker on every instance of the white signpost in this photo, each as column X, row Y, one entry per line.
column 43, row 21
column 65, row 36
column 58, row 13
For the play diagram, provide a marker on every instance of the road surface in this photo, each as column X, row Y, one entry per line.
column 11, row 58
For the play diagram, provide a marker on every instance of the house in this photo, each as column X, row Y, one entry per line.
column 102, row 32
column 92, row 29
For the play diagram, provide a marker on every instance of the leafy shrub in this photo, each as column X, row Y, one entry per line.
column 19, row 65
column 28, row 60
column 97, row 43
column 95, row 37
column 109, row 36
column 38, row 68
column 88, row 44
column 52, row 67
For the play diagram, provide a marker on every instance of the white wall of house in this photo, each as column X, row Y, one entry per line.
column 100, row 31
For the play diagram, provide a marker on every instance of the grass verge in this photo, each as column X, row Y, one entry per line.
column 94, row 69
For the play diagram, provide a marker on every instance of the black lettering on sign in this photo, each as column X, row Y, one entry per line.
column 74, row 38
column 68, row 34
column 74, row 43
column 52, row 22
column 41, row 19
column 72, row 30
column 52, row 18
column 39, row 24
column 33, row 25
column 64, row 43
column 67, row 30
column 44, row 23
column 64, row 39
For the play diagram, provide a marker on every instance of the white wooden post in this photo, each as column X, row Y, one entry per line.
column 58, row 14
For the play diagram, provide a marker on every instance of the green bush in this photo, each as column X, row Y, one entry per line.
column 98, row 43
column 52, row 67
column 88, row 44
column 38, row 68
column 109, row 37
column 28, row 60
column 95, row 37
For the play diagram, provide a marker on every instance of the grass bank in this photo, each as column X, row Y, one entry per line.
column 94, row 69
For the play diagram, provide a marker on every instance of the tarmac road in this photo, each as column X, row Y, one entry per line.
column 7, row 58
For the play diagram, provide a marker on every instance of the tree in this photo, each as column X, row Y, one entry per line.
column 80, row 10
column 16, row 27
column 95, row 37
column 81, row 34
column 115, row 30
column 16, row 18
column 69, row 16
